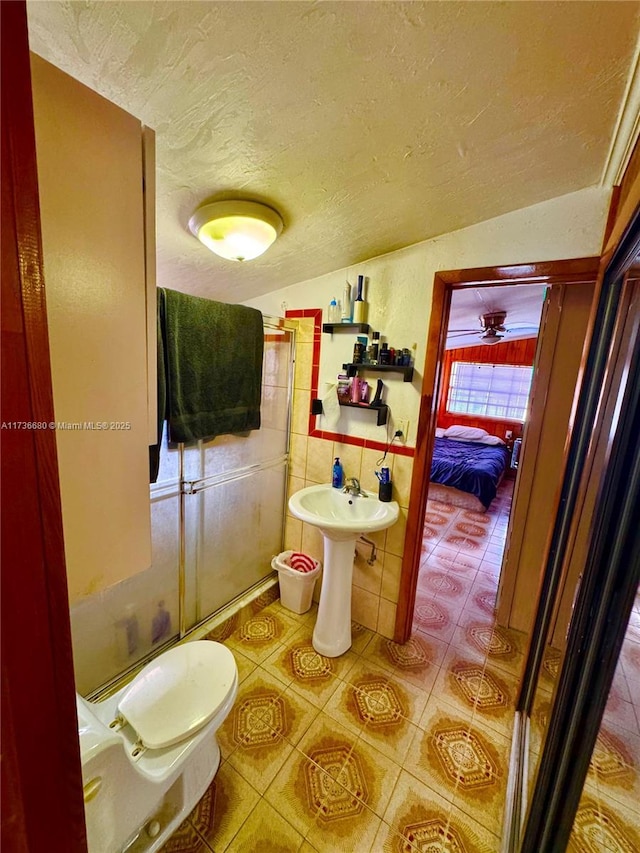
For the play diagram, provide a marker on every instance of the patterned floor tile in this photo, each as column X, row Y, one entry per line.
column 311, row 675
column 466, row 761
column 344, row 823
column 185, row 840
column 450, row 560
column 434, row 616
column 539, row 719
column 375, row 714
column 622, row 714
column 487, row 692
column 301, row 618
column 599, row 827
column 265, row 726
column 289, row 795
column 245, row 665
column 503, row 648
column 550, row 669
column 223, row 808
column 266, row 831
column 416, row 661
column 418, row 819
column 367, row 676
column 360, row 637
column 259, row 636
column 445, row 586
column 256, row 695
column 615, row 764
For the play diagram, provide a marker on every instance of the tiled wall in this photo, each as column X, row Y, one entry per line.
column 375, row 588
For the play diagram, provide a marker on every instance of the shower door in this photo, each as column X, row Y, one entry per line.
column 234, row 490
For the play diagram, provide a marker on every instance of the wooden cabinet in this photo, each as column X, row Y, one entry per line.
column 100, row 301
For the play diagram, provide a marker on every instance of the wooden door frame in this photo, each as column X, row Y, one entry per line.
column 574, row 271
column 41, row 771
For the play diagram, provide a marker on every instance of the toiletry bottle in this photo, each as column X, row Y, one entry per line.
column 384, row 356
column 384, row 487
column 332, row 311
column 346, row 303
column 360, row 306
column 358, row 353
column 374, row 346
column 337, row 476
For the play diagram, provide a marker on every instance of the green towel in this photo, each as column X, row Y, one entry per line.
column 211, row 355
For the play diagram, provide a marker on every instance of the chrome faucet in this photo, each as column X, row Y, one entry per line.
column 353, row 488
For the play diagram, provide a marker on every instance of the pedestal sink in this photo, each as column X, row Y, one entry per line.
column 342, row 518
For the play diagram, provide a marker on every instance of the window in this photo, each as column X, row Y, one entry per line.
column 489, row 390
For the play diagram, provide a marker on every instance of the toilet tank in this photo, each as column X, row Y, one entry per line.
column 116, row 796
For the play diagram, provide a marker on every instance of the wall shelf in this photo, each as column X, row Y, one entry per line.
column 382, row 410
column 363, row 328
column 406, row 370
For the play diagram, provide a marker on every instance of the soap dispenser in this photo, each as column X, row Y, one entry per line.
column 337, row 477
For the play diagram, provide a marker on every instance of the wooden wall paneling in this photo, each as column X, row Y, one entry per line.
column 41, row 774
column 513, row 352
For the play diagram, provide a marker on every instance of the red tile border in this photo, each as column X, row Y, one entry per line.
column 314, row 432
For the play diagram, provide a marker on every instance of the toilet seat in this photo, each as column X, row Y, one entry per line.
column 179, row 692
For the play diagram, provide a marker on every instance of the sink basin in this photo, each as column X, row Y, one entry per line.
column 335, row 511
column 341, row 518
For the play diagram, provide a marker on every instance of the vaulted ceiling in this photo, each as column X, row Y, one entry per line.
column 368, row 125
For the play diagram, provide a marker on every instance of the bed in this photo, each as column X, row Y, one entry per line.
column 466, row 473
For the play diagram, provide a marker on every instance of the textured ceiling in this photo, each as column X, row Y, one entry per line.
column 368, row 125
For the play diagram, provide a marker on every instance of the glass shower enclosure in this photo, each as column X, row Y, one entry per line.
column 217, row 519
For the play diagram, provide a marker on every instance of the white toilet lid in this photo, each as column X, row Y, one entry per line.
column 178, row 692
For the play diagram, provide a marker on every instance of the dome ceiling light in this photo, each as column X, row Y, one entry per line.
column 236, row 230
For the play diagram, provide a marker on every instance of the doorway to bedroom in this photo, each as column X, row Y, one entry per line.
column 534, row 452
column 486, row 379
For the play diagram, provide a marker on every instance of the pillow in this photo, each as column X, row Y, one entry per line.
column 464, row 433
column 491, row 439
column 439, row 432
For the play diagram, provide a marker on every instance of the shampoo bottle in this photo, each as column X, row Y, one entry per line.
column 337, row 476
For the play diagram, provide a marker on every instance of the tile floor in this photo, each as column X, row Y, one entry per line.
column 403, row 749
column 608, row 817
column 388, row 747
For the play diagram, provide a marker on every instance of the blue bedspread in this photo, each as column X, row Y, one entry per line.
column 469, row 466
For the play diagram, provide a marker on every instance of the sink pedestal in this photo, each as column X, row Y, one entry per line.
column 341, row 517
column 332, row 634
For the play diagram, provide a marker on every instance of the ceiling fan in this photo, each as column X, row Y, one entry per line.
column 491, row 325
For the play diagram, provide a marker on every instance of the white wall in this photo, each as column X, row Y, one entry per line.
column 400, row 287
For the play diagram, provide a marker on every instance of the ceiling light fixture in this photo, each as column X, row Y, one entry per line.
column 236, row 230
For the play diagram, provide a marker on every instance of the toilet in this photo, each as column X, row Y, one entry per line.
column 149, row 751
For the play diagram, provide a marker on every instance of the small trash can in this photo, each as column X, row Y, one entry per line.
column 296, row 587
